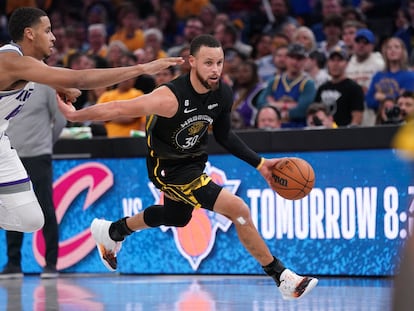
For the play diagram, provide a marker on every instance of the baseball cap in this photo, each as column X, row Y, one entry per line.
column 365, row 34
column 338, row 50
column 295, row 49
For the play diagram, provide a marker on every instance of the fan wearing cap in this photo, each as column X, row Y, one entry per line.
column 291, row 91
column 343, row 96
column 364, row 64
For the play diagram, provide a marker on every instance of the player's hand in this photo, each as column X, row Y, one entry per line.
column 159, row 64
column 65, row 105
column 266, row 169
column 71, row 94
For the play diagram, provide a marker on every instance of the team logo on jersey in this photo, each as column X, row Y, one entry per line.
column 196, row 240
column 212, row 106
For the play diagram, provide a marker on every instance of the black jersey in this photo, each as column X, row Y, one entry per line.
column 185, row 135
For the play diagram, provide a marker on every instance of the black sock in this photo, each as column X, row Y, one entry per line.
column 274, row 270
column 119, row 230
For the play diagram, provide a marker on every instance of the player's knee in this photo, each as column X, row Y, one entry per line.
column 178, row 219
column 241, row 214
column 23, row 218
column 34, row 220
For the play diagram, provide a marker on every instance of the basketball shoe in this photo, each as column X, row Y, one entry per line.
column 293, row 286
column 107, row 247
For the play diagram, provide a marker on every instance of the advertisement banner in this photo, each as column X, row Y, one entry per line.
column 354, row 221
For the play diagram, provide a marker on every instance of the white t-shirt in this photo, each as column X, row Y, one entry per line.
column 363, row 72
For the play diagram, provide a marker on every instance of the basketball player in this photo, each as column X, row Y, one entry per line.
column 20, row 65
column 179, row 115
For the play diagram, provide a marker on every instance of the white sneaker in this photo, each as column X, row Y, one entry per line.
column 107, row 247
column 293, row 286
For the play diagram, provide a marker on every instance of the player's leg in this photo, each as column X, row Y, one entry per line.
column 109, row 235
column 19, row 208
column 40, row 170
column 290, row 284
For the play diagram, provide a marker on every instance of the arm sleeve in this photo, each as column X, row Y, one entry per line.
column 225, row 136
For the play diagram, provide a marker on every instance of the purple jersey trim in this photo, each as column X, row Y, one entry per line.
column 16, row 182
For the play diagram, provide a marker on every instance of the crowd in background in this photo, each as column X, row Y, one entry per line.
column 291, row 64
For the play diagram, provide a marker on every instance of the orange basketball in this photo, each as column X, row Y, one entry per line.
column 292, row 178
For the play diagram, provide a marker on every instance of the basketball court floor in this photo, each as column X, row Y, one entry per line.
column 83, row 292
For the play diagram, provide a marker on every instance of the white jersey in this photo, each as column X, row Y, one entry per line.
column 11, row 102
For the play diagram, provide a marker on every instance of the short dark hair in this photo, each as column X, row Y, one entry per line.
column 22, row 18
column 315, row 107
column 277, row 112
column 203, row 40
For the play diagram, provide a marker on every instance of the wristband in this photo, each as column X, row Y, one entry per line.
column 262, row 160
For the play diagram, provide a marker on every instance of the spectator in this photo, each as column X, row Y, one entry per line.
column 128, row 28
column 343, row 96
column 185, row 9
column 401, row 20
column 269, row 66
column 167, row 23
column 122, row 127
column 229, row 36
column 304, row 36
column 116, row 49
column 363, row 65
column 262, row 46
column 208, row 16
column 318, row 116
column 193, row 27
column 232, row 60
column 154, row 39
column 329, row 7
column 315, row 68
column 332, row 28
column 388, row 112
column 270, row 20
column 268, row 118
column 292, row 91
column 185, row 54
column 406, row 104
column 32, row 133
column 407, row 33
column 80, row 61
column 395, row 78
column 248, row 87
column 97, row 38
column 165, row 75
column 349, row 31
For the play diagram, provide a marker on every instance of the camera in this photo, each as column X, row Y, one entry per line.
column 393, row 114
column 316, row 121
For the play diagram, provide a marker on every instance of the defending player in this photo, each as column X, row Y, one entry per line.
column 21, row 62
column 179, row 115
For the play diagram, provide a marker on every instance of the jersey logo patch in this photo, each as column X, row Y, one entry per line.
column 186, row 110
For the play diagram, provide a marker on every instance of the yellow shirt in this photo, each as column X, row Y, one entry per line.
column 114, row 129
column 133, row 43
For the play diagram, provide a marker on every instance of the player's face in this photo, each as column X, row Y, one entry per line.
column 43, row 38
column 208, row 65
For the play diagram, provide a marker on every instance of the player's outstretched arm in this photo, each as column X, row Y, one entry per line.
column 27, row 68
column 160, row 102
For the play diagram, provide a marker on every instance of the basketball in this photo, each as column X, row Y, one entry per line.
column 292, row 178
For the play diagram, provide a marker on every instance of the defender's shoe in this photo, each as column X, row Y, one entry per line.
column 293, row 286
column 107, row 247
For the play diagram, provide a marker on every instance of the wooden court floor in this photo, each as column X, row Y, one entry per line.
column 83, row 292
